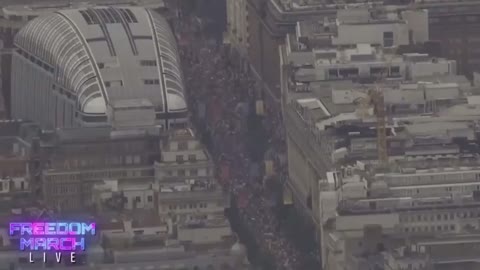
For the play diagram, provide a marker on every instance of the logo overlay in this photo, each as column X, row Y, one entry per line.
column 58, row 237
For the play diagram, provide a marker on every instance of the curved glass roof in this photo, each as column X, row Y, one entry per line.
column 104, row 54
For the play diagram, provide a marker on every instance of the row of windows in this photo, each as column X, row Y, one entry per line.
column 189, row 206
column 36, row 61
column 406, row 180
column 115, row 83
column 151, row 81
column 431, row 190
column 110, row 15
column 10, row 186
column 437, row 228
column 148, row 63
column 143, row 63
column 137, row 145
column 354, row 72
column 181, row 172
column 439, row 217
column 95, row 162
column 181, row 159
column 65, row 188
column 100, row 175
column 138, row 199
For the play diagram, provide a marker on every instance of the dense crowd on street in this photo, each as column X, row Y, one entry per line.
column 222, row 99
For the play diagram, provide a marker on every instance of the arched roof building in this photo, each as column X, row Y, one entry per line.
column 94, row 58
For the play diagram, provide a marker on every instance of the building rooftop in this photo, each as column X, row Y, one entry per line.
column 139, row 218
column 86, row 134
column 292, row 6
column 28, row 7
column 121, row 70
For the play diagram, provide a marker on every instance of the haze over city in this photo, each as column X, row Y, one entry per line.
column 240, row 134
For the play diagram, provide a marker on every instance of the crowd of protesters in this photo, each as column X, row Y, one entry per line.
column 223, row 100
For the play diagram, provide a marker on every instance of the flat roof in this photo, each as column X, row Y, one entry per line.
column 322, row 90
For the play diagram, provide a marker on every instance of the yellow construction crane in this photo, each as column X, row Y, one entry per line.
column 375, row 99
column 378, row 102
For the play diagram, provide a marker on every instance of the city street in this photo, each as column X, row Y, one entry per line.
column 222, row 102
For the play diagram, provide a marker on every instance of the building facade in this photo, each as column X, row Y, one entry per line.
column 331, row 122
column 452, row 25
column 90, row 80
column 14, row 15
column 152, row 193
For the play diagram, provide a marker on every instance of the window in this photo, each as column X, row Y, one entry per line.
column 182, row 146
column 115, row 83
column 394, row 71
column 137, row 199
column 332, row 73
column 181, row 172
column 148, row 63
column 129, row 160
column 378, row 71
column 138, row 232
column 192, row 158
column 100, row 65
column 151, row 81
column 387, row 39
column 348, row 72
column 150, row 198
column 179, row 158
column 193, row 172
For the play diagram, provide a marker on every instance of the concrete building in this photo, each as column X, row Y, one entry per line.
column 419, row 202
column 152, row 193
column 331, row 123
column 421, row 215
column 91, row 78
column 454, row 25
column 3, row 108
column 190, row 197
column 15, row 14
column 13, row 169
